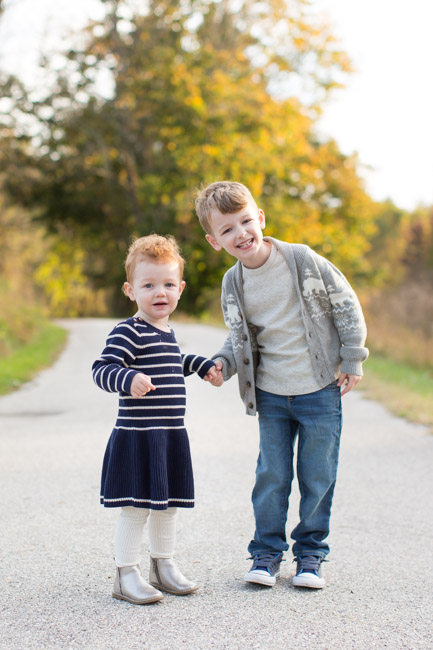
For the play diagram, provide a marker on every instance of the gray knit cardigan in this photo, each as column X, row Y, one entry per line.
column 334, row 324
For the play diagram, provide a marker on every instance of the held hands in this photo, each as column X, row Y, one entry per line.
column 214, row 375
column 348, row 381
column 140, row 385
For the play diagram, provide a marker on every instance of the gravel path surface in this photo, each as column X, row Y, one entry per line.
column 56, row 540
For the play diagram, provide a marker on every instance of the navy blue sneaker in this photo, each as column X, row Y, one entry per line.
column 265, row 569
column 309, row 572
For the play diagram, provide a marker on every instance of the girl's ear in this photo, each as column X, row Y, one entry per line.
column 213, row 242
column 128, row 291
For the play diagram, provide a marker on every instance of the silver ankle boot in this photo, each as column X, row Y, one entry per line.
column 165, row 575
column 130, row 585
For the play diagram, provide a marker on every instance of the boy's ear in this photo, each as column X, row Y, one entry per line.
column 127, row 290
column 262, row 220
column 213, row 242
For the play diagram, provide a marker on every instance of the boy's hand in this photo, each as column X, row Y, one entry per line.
column 349, row 382
column 214, row 375
column 140, row 385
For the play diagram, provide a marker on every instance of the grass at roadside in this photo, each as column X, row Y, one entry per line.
column 405, row 390
column 24, row 362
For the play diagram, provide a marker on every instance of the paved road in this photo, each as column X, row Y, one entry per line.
column 56, row 550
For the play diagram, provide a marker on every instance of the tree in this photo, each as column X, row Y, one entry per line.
column 193, row 92
column 418, row 254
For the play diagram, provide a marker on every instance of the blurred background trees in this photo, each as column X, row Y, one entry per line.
column 149, row 104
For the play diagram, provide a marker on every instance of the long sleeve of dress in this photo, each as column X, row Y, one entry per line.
column 192, row 363
column 111, row 371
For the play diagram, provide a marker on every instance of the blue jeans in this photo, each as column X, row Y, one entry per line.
column 315, row 419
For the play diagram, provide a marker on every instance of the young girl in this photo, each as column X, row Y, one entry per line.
column 147, row 465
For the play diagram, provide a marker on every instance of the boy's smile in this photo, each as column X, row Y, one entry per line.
column 240, row 234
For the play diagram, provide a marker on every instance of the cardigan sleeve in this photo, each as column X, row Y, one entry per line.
column 226, row 354
column 227, row 358
column 347, row 316
column 111, row 370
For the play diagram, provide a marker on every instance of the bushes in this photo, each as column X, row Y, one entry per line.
column 28, row 341
column 400, row 322
column 19, row 323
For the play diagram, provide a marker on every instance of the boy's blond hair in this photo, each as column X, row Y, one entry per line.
column 153, row 248
column 226, row 196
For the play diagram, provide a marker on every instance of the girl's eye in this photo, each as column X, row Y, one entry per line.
column 148, row 285
column 169, row 284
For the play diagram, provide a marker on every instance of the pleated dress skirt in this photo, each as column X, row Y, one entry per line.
column 148, row 469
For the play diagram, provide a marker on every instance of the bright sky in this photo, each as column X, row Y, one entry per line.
column 385, row 113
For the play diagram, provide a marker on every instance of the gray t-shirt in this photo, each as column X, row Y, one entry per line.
column 272, row 306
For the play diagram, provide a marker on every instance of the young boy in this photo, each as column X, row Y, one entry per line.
column 296, row 341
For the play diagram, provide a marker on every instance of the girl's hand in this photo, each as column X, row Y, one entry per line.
column 140, row 385
column 214, row 375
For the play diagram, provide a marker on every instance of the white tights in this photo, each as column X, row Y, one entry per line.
column 129, row 534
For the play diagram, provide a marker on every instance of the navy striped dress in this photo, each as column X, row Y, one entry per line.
column 147, row 463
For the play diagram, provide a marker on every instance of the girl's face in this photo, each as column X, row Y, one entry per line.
column 156, row 288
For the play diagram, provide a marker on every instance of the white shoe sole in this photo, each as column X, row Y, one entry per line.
column 147, row 601
column 308, row 580
column 261, row 578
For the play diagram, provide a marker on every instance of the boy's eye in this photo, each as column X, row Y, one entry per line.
column 224, row 232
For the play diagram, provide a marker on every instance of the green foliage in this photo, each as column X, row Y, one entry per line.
column 403, row 388
column 40, row 273
column 418, row 380
column 18, row 323
column 387, row 246
column 28, row 342
column 196, row 91
column 39, row 351
column 61, row 275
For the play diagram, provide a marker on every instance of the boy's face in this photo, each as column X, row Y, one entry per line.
column 240, row 234
column 156, row 288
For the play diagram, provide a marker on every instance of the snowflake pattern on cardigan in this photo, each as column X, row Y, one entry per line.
column 147, row 461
